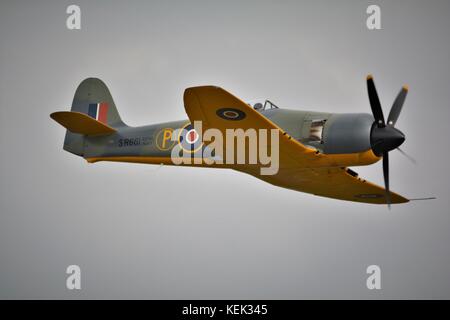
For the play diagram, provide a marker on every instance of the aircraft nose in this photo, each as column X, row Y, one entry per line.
column 386, row 139
column 397, row 137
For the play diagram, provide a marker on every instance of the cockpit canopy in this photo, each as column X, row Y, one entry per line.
column 261, row 106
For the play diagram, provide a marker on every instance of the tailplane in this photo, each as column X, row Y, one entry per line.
column 77, row 122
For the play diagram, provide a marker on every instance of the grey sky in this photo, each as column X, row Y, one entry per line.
column 139, row 232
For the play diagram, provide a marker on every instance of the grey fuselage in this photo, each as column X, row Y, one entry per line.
column 329, row 133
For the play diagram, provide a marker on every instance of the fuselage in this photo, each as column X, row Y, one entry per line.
column 339, row 139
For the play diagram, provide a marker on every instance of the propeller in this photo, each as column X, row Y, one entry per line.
column 384, row 137
column 407, row 156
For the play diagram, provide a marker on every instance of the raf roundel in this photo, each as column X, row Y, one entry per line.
column 189, row 139
column 231, row 114
column 191, row 136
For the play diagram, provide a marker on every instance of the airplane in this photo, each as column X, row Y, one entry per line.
column 316, row 149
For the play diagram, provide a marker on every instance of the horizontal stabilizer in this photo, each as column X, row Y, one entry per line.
column 81, row 123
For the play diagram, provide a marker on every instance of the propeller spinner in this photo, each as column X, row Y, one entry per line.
column 384, row 137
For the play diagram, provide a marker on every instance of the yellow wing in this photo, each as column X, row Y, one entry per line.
column 205, row 103
column 337, row 183
column 299, row 169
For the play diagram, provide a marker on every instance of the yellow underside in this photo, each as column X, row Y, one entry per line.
column 320, row 160
column 332, row 182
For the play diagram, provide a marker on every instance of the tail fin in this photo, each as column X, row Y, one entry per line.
column 92, row 98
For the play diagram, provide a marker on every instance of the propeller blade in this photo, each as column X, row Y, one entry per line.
column 407, row 156
column 375, row 102
column 386, row 178
column 397, row 106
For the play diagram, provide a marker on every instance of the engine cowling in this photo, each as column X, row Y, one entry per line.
column 347, row 133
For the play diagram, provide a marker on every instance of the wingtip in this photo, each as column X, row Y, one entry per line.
column 54, row 115
column 202, row 87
